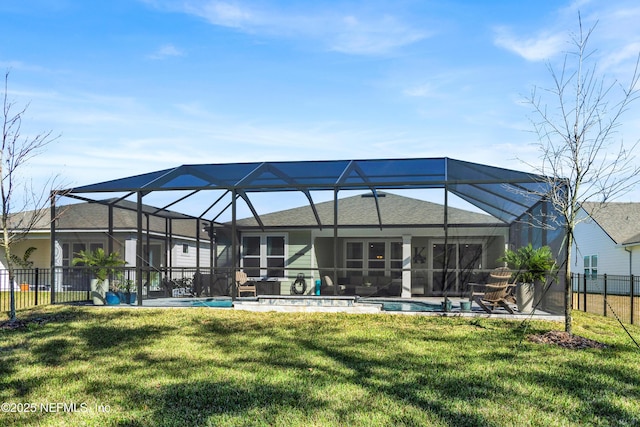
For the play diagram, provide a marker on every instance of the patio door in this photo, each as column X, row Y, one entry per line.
column 454, row 265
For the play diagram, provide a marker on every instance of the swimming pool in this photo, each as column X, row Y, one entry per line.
column 209, row 302
column 413, row 306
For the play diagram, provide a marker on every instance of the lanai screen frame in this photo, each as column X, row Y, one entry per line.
column 507, row 195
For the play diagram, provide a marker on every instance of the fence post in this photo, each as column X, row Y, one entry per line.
column 52, row 288
column 632, row 296
column 584, row 294
column 37, row 284
column 604, row 299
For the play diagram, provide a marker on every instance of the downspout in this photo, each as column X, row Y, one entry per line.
column 630, row 260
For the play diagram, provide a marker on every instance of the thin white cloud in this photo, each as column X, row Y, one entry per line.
column 425, row 90
column 539, row 48
column 166, row 51
column 225, row 14
column 349, row 31
column 382, row 35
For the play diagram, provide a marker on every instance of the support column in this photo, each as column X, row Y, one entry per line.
column 53, row 282
column 139, row 249
column 406, row 266
column 234, row 245
column 335, row 242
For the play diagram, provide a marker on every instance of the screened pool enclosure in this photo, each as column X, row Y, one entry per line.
column 357, row 232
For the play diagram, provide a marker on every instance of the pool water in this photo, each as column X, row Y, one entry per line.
column 414, row 306
column 211, row 302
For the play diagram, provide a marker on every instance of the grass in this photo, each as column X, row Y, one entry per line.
column 26, row 299
column 148, row 367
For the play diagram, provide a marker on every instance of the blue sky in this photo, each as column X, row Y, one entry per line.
column 134, row 86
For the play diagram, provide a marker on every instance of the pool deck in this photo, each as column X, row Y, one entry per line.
column 338, row 304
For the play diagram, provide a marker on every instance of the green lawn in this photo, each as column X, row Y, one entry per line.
column 186, row 367
column 26, row 299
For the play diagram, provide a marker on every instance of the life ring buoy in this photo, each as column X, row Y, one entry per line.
column 299, row 286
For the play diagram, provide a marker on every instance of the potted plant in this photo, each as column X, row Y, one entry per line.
column 531, row 268
column 101, row 265
column 128, row 287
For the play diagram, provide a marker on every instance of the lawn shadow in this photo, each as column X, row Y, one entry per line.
column 211, row 402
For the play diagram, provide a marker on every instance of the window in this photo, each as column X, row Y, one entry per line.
column 264, row 255
column 76, row 278
column 373, row 258
column 354, row 259
column 591, row 266
column 185, row 248
column 70, row 251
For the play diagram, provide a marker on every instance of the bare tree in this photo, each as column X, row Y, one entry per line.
column 19, row 217
column 577, row 142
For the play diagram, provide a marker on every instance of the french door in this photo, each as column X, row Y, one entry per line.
column 454, row 265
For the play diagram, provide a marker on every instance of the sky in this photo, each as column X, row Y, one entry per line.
column 133, row 86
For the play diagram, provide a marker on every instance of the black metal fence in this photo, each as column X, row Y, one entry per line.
column 32, row 287
column 608, row 295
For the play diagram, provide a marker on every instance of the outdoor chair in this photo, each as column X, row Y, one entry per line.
column 498, row 292
column 328, row 287
column 244, row 284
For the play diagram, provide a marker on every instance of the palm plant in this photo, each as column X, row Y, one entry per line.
column 530, row 265
column 99, row 262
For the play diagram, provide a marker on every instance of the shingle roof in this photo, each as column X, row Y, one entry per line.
column 94, row 217
column 621, row 221
column 360, row 210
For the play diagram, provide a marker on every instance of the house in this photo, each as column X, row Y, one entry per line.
column 607, row 240
column 86, row 226
column 372, row 258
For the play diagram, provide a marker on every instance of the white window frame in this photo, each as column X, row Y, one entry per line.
column 263, row 253
column 591, row 271
column 365, row 254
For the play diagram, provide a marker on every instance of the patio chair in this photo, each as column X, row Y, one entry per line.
column 328, row 288
column 498, row 292
column 244, row 284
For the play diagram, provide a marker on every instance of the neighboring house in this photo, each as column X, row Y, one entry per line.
column 85, row 226
column 370, row 257
column 608, row 241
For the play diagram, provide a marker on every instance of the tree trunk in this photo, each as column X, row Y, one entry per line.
column 568, row 288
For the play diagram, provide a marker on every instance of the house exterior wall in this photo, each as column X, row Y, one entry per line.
column 493, row 240
column 180, row 258
column 124, row 244
column 299, row 260
column 590, row 239
column 40, row 257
